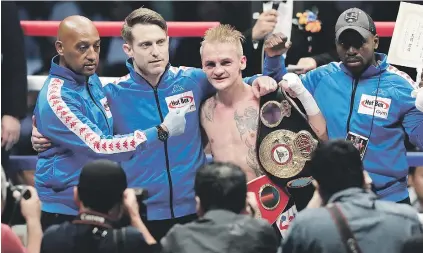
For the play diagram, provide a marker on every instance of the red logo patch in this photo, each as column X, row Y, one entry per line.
column 181, row 102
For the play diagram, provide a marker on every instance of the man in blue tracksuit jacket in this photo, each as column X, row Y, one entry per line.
column 368, row 101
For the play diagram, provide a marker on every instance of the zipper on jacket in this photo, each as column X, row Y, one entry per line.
column 105, row 117
column 169, row 176
column 354, row 89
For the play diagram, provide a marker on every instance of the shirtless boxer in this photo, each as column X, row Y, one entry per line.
column 230, row 118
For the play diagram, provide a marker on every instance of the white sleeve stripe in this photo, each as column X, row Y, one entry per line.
column 394, row 70
column 175, row 70
column 118, row 80
column 83, row 131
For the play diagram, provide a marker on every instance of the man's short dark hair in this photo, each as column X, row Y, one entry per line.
column 221, row 186
column 101, row 185
column 336, row 165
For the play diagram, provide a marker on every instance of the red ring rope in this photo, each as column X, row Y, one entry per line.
column 112, row 29
column 176, row 29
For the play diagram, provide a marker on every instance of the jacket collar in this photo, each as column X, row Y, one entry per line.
column 371, row 70
column 357, row 195
column 220, row 215
column 66, row 73
column 141, row 80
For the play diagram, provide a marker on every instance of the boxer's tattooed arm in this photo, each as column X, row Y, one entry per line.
column 247, row 125
column 252, row 159
column 208, row 109
column 248, row 121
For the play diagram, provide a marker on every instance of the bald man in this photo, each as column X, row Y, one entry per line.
column 73, row 112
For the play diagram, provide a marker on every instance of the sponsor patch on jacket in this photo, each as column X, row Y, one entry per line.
column 369, row 105
column 106, row 107
column 181, row 100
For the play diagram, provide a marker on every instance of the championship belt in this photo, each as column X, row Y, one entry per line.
column 285, row 141
column 271, row 198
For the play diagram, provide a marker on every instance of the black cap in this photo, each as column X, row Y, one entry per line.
column 356, row 20
column 103, row 177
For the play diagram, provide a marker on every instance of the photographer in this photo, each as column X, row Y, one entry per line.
column 224, row 210
column 31, row 211
column 103, row 199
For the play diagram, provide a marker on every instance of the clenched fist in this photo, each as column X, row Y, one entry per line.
column 276, row 44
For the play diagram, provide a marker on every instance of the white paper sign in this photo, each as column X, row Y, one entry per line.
column 406, row 47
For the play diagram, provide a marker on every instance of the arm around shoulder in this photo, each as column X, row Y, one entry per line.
column 64, row 122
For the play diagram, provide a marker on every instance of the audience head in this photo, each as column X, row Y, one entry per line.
column 78, row 44
column 222, row 56
column 356, row 40
column 101, row 186
column 220, row 186
column 336, row 165
column 415, row 180
column 146, row 41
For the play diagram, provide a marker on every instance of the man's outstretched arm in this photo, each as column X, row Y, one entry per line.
column 292, row 84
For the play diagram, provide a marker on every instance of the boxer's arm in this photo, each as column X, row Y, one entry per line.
column 293, row 85
column 318, row 124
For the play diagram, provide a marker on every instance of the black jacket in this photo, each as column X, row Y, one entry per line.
column 13, row 67
column 321, row 47
column 222, row 231
column 80, row 238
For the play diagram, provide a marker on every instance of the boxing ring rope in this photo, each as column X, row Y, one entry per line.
column 175, row 29
column 112, row 28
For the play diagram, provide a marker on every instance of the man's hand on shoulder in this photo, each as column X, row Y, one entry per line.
column 276, row 44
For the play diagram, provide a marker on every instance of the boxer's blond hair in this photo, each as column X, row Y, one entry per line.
column 224, row 34
column 142, row 16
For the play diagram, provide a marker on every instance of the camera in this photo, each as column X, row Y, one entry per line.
column 19, row 191
column 141, row 195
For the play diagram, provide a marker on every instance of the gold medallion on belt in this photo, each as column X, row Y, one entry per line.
column 283, row 153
